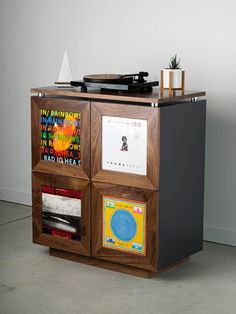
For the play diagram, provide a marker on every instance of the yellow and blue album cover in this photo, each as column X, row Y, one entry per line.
column 124, row 225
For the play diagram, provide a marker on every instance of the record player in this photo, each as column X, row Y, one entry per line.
column 116, row 82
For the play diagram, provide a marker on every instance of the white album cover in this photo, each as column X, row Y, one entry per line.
column 61, row 205
column 124, row 145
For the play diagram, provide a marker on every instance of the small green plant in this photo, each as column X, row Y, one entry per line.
column 174, row 63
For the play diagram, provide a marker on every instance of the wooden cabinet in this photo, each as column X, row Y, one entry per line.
column 117, row 182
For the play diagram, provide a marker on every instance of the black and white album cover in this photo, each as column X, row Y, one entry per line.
column 124, row 145
column 61, row 212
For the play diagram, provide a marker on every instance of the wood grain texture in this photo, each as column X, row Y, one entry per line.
column 82, row 171
column 161, row 83
column 151, row 199
column 45, row 166
column 39, row 179
column 124, row 179
column 151, row 180
column 145, row 98
column 134, row 271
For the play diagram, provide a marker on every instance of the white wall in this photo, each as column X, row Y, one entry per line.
column 122, row 36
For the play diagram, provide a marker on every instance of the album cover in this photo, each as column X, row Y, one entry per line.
column 60, row 136
column 124, row 225
column 124, row 145
column 61, row 212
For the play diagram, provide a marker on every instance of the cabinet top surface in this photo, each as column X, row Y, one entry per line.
column 154, row 97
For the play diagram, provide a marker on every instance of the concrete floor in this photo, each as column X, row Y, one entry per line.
column 33, row 282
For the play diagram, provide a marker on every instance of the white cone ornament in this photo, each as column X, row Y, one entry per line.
column 65, row 75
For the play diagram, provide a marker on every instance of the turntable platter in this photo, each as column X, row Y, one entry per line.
column 108, row 78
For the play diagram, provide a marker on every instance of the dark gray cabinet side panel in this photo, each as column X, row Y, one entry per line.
column 182, row 149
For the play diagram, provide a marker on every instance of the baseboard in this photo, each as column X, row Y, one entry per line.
column 220, row 234
column 15, row 196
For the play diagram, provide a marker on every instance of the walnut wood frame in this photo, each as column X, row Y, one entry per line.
column 81, row 247
column 151, row 198
column 152, row 115
column 82, row 171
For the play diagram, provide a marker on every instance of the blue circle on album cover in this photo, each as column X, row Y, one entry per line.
column 123, row 225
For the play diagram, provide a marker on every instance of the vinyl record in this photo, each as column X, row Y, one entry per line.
column 123, row 225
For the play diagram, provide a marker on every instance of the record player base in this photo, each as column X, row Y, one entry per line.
column 111, row 265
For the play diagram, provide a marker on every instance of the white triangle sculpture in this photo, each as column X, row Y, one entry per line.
column 65, row 75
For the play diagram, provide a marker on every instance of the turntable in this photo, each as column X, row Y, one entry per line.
column 116, row 82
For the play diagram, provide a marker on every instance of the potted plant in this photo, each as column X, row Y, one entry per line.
column 176, row 74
